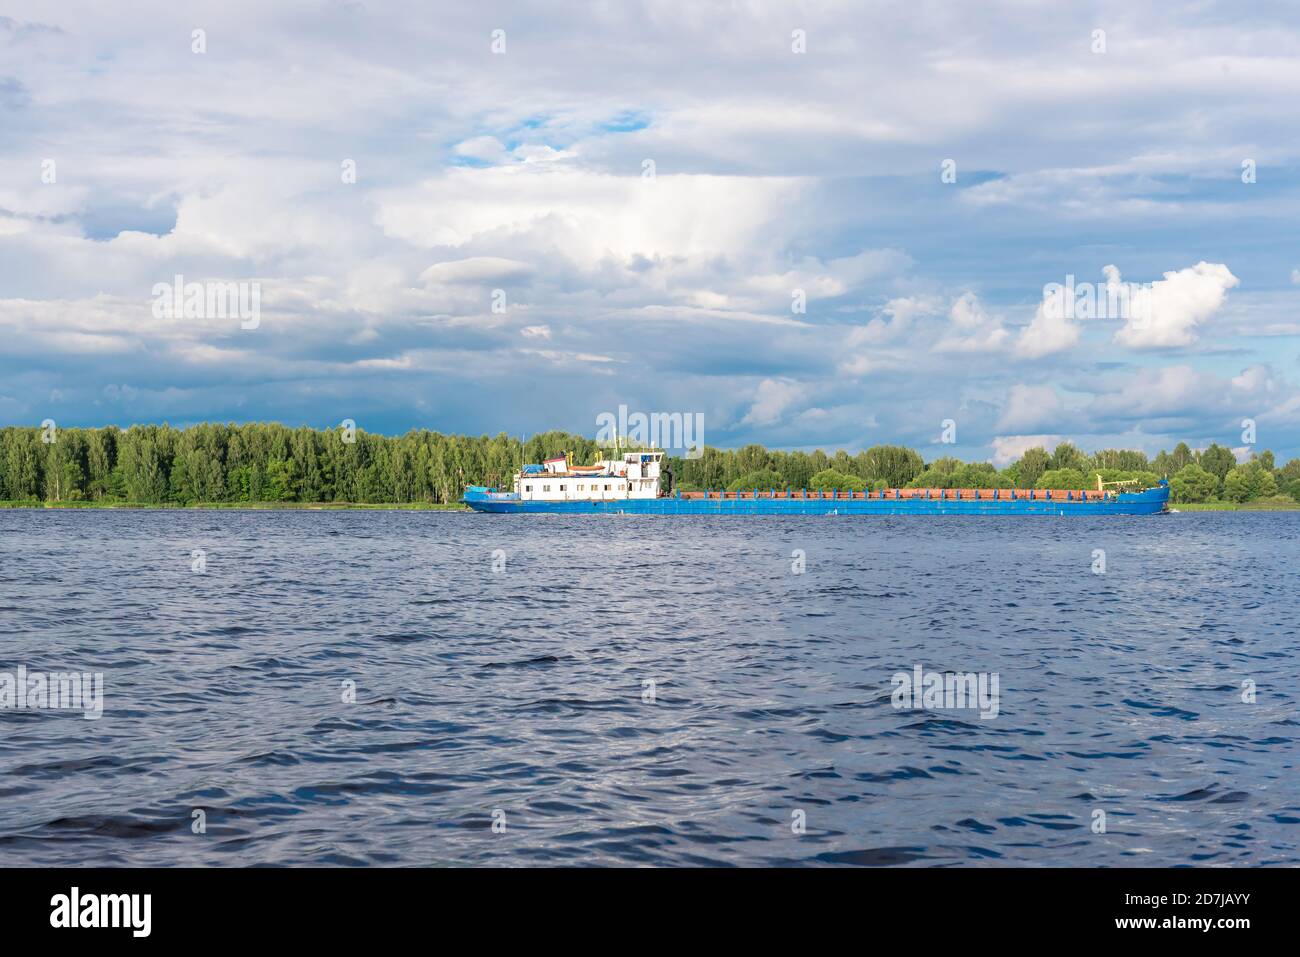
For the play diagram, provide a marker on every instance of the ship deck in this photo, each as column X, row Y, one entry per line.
column 954, row 494
column 802, row 502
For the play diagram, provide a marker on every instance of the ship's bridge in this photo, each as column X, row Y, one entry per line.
column 634, row 475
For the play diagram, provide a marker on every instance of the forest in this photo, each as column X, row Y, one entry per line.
column 268, row 462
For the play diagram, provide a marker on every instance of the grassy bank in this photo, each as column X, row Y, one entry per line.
column 260, row 506
column 1262, row 505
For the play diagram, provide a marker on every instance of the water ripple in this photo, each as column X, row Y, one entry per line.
column 362, row 688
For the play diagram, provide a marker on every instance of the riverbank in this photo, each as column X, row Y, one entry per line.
column 1266, row 505
column 259, row 506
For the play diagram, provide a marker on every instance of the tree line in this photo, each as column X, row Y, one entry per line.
column 269, row 462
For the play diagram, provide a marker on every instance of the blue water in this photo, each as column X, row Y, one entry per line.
column 520, row 691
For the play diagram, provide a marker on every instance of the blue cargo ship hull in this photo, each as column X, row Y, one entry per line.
column 1148, row 502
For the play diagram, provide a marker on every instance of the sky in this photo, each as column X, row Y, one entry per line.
column 482, row 218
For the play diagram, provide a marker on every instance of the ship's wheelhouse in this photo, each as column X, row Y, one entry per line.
column 635, row 475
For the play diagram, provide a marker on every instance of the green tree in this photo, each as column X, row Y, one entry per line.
column 1288, row 479
column 101, row 452
column 1067, row 456
column 753, row 458
column 1262, row 483
column 1248, row 482
column 282, row 480
column 1126, row 460
column 62, row 468
column 1193, row 484
column 1031, row 467
column 1236, row 485
column 1061, row 479
column 143, row 474
column 1217, row 461
column 829, row 479
column 894, row 465
column 762, row 480
column 22, row 464
column 797, row 469
column 950, row 473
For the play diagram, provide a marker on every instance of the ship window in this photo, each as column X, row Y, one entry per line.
column 546, row 488
column 528, row 488
column 606, row 488
column 579, row 488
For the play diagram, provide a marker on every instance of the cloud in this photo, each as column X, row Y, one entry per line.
column 1182, row 391
column 774, row 172
column 817, row 279
column 489, row 149
column 901, row 314
column 587, row 216
column 771, row 401
column 972, row 329
column 477, row 270
column 1050, row 331
column 1177, row 305
column 1030, row 407
column 1009, row 448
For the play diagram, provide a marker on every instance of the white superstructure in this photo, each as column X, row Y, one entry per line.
column 635, row 475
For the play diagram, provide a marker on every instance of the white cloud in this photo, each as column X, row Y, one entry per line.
column 489, row 149
column 524, row 172
column 1050, row 331
column 1183, row 391
column 866, row 346
column 1029, row 407
column 540, row 153
column 1172, row 390
column 477, row 270
column 972, row 328
column 903, row 311
column 1178, row 304
column 588, row 216
column 1008, row 448
column 771, row 400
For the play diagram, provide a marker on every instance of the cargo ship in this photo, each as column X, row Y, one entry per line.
column 639, row 483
